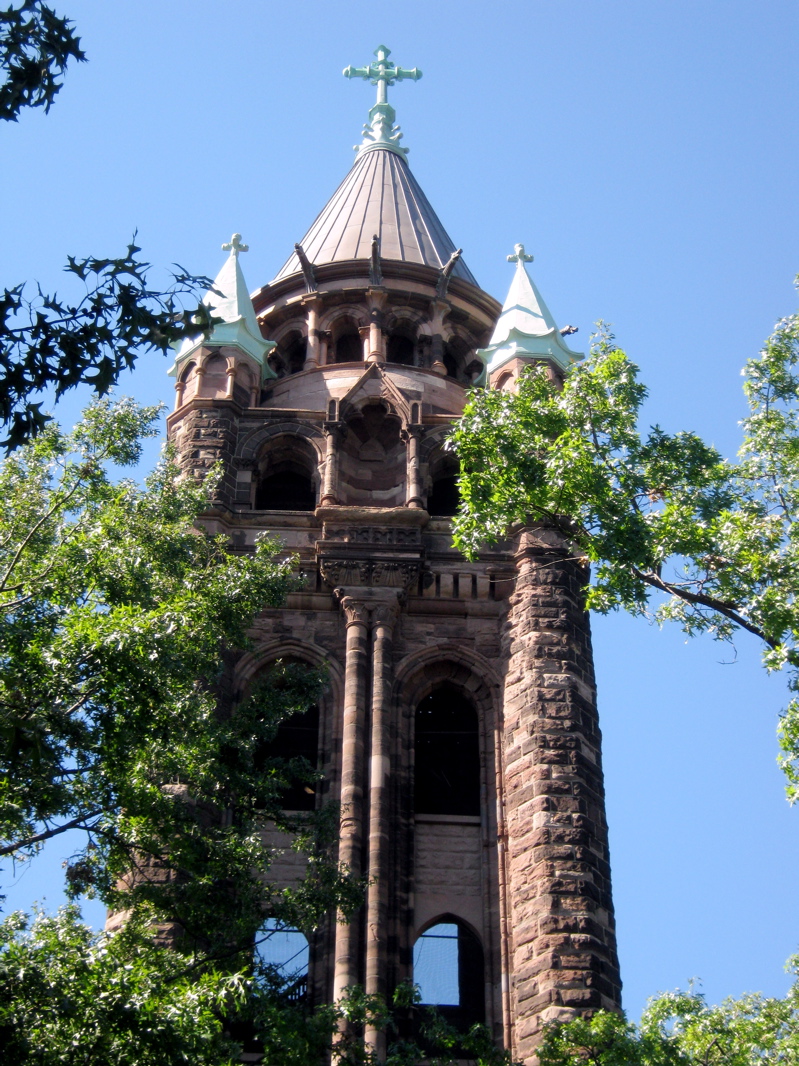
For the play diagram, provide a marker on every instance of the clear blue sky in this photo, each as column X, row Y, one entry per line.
column 646, row 153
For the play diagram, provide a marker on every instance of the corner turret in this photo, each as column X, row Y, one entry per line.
column 525, row 331
column 235, row 348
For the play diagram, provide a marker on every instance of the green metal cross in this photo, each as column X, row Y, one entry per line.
column 382, row 73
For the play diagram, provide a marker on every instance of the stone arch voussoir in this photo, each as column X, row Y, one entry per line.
column 251, row 444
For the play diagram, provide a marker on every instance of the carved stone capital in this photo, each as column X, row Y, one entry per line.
column 386, row 613
column 337, row 430
column 412, row 430
column 355, row 611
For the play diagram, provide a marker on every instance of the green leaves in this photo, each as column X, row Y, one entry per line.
column 46, row 343
column 655, row 513
column 119, row 624
column 680, row 1029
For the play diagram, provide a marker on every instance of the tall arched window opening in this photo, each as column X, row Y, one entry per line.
column 297, row 738
column 448, row 968
column 400, row 350
column 447, row 755
column 284, row 480
column 349, row 348
column 444, row 497
column 295, row 347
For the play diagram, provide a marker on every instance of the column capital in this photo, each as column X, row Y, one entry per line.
column 356, row 612
column 336, row 430
column 413, row 430
column 386, row 613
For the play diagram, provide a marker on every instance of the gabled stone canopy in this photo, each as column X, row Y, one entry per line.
column 379, row 196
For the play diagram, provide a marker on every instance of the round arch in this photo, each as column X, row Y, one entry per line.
column 252, row 443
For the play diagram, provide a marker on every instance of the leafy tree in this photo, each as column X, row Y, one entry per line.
column 48, row 342
column 654, row 513
column 68, row 995
column 680, row 1029
column 116, row 619
column 36, row 45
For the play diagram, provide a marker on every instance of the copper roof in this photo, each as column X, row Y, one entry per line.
column 378, row 196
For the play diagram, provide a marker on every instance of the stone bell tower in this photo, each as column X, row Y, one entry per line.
column 459, row 733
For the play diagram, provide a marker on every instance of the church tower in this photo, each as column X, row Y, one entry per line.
column 459, row 732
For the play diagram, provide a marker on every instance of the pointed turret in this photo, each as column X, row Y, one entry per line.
column 229, row 300
column 526, row 329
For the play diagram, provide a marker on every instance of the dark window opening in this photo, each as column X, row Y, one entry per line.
column 450, row 363
column 448, row 968
column 400, row 350
column 447, row 771
column 297, row 738
column 349, row 348
column 295, row 355
column 285, row 491
column 445, row 497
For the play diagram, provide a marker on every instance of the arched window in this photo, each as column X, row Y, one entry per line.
column 447, row 763
column 284, row 951
column 284, row 481
column 297, row 738
column 449, row 970
column 444, row 497
column 214, row 377
column 349, row 348
column 295, row 346
column 400, row 349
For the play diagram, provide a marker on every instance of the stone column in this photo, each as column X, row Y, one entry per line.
column 312, row 359
column 334, row 434
column 325, row 339
column 231, row 380
column 384, row 617
column 414, row 489
column 356, row 670
column 365, row 333
column 561, row 926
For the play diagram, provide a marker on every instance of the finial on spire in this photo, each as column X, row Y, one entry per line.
column 520, row 255
column 380, row 131
column 234, row 246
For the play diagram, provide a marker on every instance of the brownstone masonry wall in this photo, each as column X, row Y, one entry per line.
column 562, row 936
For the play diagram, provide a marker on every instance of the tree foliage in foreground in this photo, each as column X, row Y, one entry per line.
column 680, row 1029
column 36, row 45
column 51, row 343
column 656, row 514
column 116, row 619
column 69, row 995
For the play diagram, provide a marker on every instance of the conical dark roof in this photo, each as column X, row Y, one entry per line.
column 379, row 196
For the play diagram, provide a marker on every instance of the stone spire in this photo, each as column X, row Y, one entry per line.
column 229, row 300
column 526, row 328
column 380, row 131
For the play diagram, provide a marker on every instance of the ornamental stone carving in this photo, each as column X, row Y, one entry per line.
column 400, row 574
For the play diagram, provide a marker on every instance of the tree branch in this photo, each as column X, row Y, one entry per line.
column 701, row 600
column 76, row 823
